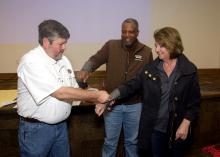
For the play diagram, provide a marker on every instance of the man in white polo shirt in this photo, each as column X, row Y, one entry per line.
column 46, row 91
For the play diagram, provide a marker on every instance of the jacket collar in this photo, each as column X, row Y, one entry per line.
column 137, row 46
column 184, row 66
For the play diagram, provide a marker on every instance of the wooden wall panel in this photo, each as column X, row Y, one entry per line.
column 86, row 130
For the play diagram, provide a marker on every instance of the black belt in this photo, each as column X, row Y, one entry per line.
column 30, row 120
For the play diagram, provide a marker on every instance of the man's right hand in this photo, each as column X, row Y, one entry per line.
column 102, row 96
column 82, row 76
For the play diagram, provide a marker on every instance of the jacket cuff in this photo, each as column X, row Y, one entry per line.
column 87, row 67
column 115, row 94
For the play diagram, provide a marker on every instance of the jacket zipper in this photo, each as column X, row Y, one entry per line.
column 126, row 66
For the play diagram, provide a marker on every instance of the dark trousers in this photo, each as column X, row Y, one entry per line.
column 160, row 147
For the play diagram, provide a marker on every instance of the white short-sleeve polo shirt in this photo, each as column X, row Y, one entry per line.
column 38, row 77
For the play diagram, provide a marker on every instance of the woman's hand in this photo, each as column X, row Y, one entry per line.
column 99, row 109
column 183, row 130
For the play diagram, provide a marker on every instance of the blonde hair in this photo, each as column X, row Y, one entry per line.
column 169, row 38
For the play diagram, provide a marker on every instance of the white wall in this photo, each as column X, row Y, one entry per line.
column 198, row 22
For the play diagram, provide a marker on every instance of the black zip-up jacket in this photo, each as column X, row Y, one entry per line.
column 184, row 97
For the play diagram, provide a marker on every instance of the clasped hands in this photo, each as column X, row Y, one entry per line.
column 106, row 105
column 104, row 102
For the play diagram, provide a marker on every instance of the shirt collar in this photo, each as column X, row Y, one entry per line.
column 45, row 56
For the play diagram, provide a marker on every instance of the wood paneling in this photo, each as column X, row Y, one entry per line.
column 8, row 80
column 86, row 130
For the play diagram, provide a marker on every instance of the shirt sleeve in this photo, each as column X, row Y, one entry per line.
column 101, row 57
column 74, row 82
column 39, row 80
